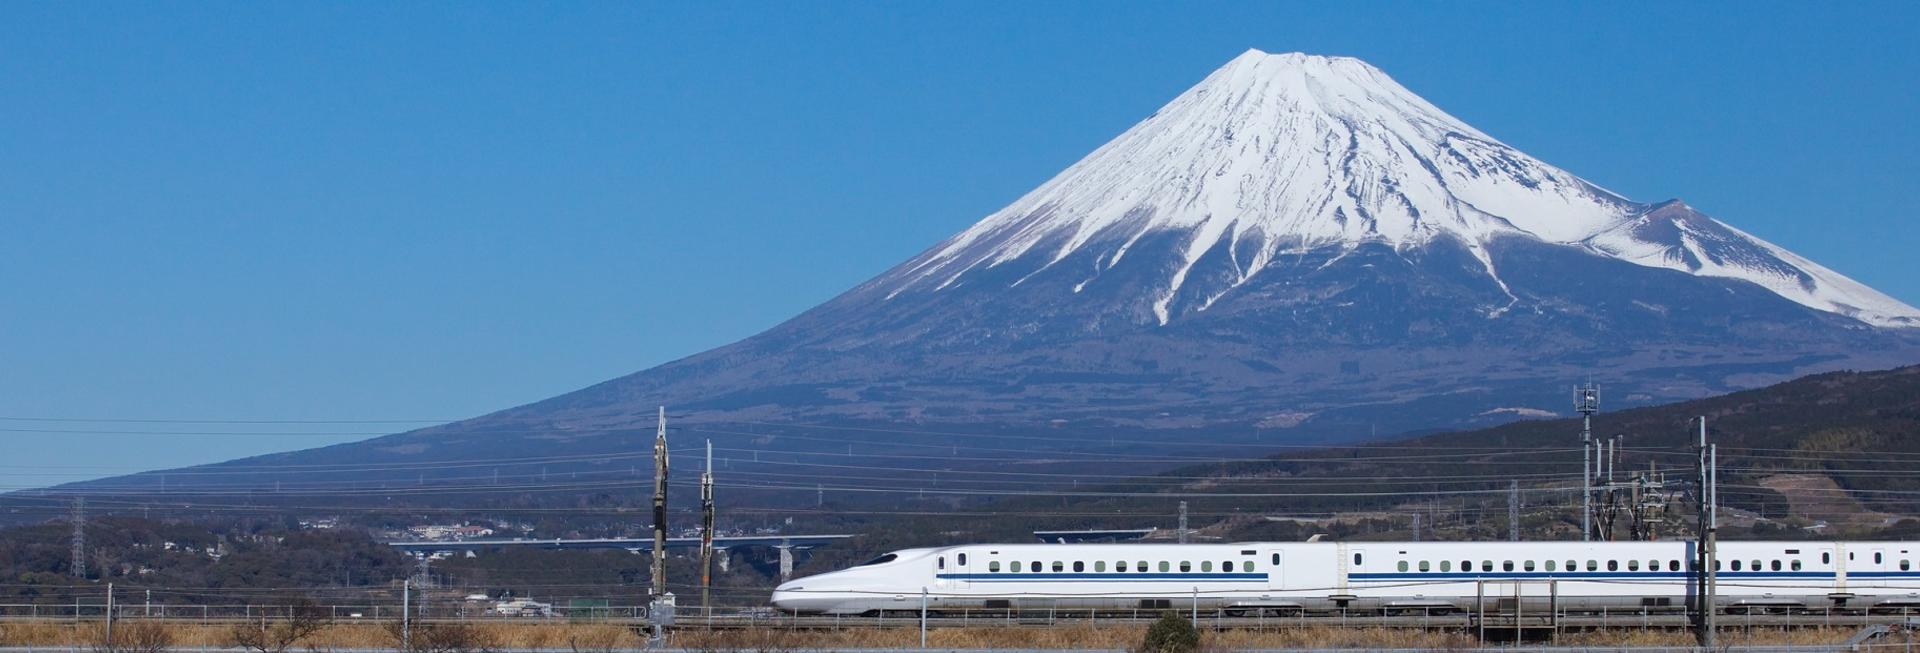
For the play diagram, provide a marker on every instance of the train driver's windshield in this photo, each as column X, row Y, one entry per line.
column 880, row 560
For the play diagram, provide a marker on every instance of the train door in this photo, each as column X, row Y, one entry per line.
column 1840, row 557
column 963, row 570
column 1276, row 566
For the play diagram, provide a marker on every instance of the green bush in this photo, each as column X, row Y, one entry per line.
column 1171, row 634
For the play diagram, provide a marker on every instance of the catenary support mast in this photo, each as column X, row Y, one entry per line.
column 660, row 507
column 706, row 533
column 1586, row 400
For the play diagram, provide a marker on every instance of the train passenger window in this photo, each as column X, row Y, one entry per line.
column 1674, row 565
column 1036, row 567
column 1593, row 565
column 1206, row 566
column 1142, row 567
column 1099, row 566
column 1526, row 565
column 1776, row 565
column 963, row 559
column 1466, row 565
column 1246, row 566
column 1446, row 565
column 1736, row 565
column 1226, row 566
column 1079, row 566
column 1613, row 565
column 1905, row 564
column 1059, row 566
column 1550, row 565
column 1356, row 559
column 1163, row 566
column 1185, row 566
column 1826, row 557
column 1653, row 565
column 1755, row 566
column 1876, row 557
column 1633, row 565
column 1403, row 565
column 994, row 566
column 1426, row 566
column 1506, row 565
column 1794, row 565
column 1486, row 565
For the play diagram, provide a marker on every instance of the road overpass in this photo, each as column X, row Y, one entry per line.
column 785, row 544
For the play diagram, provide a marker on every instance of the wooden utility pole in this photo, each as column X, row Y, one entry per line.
column 706, row 533
column 660, row 507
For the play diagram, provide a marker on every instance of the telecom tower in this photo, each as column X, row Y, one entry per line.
column 1586, row 401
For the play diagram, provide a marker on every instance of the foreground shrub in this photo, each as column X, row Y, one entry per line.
column 1171, row 634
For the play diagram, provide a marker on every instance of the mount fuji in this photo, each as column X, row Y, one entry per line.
column 1297, row 247
column 1295, row 242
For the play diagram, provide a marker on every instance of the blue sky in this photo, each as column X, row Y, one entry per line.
column 354, row 211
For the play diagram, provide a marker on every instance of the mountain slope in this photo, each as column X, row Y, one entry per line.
column 1275, row 156
column 1296, row 246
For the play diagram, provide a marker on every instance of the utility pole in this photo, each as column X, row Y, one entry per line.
column 1183, row 522
column 660, row 507
column 79, row 520
column 706, row 532
column 1709, row 526
column 406, row 615
column 1513, row 511
column 1586, row 400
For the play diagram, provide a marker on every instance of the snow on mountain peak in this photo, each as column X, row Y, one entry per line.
column 1285, row 153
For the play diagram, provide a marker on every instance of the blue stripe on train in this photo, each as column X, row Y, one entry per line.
column 1576, row 575
column 1411, row 575
column 1105, row 576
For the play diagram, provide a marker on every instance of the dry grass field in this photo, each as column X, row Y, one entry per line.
column 603, row 638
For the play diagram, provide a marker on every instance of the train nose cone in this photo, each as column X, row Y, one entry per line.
column 786, row 597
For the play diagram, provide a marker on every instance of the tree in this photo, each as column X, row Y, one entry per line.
column 1172, row 633
column 439, row 637
column 279, row 632
column 135, row 636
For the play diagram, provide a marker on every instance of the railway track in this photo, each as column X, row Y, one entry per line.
column 722, row 621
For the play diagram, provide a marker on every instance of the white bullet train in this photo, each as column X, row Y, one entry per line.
column 1368, row 577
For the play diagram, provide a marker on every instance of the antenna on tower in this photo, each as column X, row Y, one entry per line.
column 79, row 537
column 1586, row 401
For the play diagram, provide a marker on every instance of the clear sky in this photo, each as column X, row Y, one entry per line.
column 374, row 211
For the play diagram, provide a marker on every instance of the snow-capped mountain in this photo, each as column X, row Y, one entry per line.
column 1273, row 156
column 1297, row 248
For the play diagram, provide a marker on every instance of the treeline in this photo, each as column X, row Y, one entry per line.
column 37, row 560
